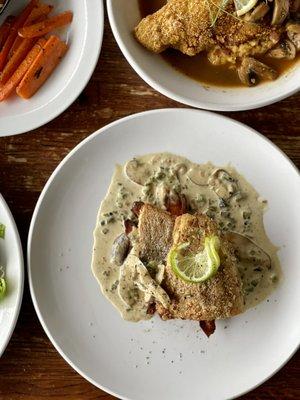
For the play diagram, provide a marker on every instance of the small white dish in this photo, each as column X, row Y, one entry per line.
column 155, row 359
column 84, row 36
column 154, row 70
column 11, row 258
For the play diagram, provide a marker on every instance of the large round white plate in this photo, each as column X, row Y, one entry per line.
column 155, row 359
column 11, row 257
column 68, row 80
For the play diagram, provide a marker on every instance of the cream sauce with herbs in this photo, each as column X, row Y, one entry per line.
column 219, row 192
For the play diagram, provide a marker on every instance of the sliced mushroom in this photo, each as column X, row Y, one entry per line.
column 251, row 70
column 295, row 39
column 197, row 176
column 120, row 249
column 295, row 6
column 137, row 171
column 180, row 169
column 161, row 193
column 293, row 27
column 280, row 12
column 258, row 13
column 286, row 49
column 160, row 273
column 293, row 32
column 247, row 250
column 223, row 184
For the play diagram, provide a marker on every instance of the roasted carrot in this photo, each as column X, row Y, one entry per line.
column 17, row 24
column 5, row 29
column 46, row 26
column 7, row 89
column 38, row 14
column 41, row 10
column 42, row 67
column 19, row 55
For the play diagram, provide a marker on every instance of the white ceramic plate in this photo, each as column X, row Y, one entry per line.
column 11, row 257
column 124, row 16
column 68, row 80
column 155, row 359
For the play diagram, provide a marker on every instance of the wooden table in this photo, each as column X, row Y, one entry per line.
column 31, row 369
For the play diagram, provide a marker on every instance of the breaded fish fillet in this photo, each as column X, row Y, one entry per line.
column 219, row 297
column 185, row 25
column 155, row 233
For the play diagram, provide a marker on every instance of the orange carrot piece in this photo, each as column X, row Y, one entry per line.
column 42, row 67
column 19, row 22
column 19, row 55
column 38, row 14
column 46, row 26
column 4, row 30
column 7, row 89
column 41, row 10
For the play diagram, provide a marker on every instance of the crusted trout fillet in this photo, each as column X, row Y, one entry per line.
column 155, row 233
column 219, row 297
column 185, row 25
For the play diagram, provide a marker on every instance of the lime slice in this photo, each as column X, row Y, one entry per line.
column 243, row 6
column 199, row 267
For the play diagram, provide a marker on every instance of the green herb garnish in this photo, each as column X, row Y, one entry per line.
column 2, row 287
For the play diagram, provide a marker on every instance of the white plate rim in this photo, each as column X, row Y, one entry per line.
column 21, row 287
column 89, row 58
column 102, row 131
column 183, row 99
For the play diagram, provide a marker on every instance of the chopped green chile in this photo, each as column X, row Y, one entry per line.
column 2, row 287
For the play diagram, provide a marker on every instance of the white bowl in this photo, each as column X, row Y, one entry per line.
column 84, row 36
column 124, row 16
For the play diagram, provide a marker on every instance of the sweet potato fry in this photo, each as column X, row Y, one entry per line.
column 7, row 89
column 42, row 67
column 46, row 26
column 13, row 63
column 41, row 10
column 4, row 30
column 38, row 14
column 18, row 23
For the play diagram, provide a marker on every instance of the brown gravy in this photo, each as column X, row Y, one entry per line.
column 199, row 68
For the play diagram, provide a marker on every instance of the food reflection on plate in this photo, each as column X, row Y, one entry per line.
column 223, row 42
column 184, row 240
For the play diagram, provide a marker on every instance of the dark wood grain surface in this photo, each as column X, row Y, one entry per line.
column 31, row 368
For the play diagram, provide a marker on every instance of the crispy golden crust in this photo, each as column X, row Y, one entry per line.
column 219, row 297
column 186, row 25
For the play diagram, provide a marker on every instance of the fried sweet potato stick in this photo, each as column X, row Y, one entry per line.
column 38, row 14
column 13, row 63
column 46, row 26
column 12, row 83
column 4, row 30
column 42, row 67
column 18, row 23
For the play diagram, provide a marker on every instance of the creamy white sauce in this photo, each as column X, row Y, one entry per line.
column 221, row 193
